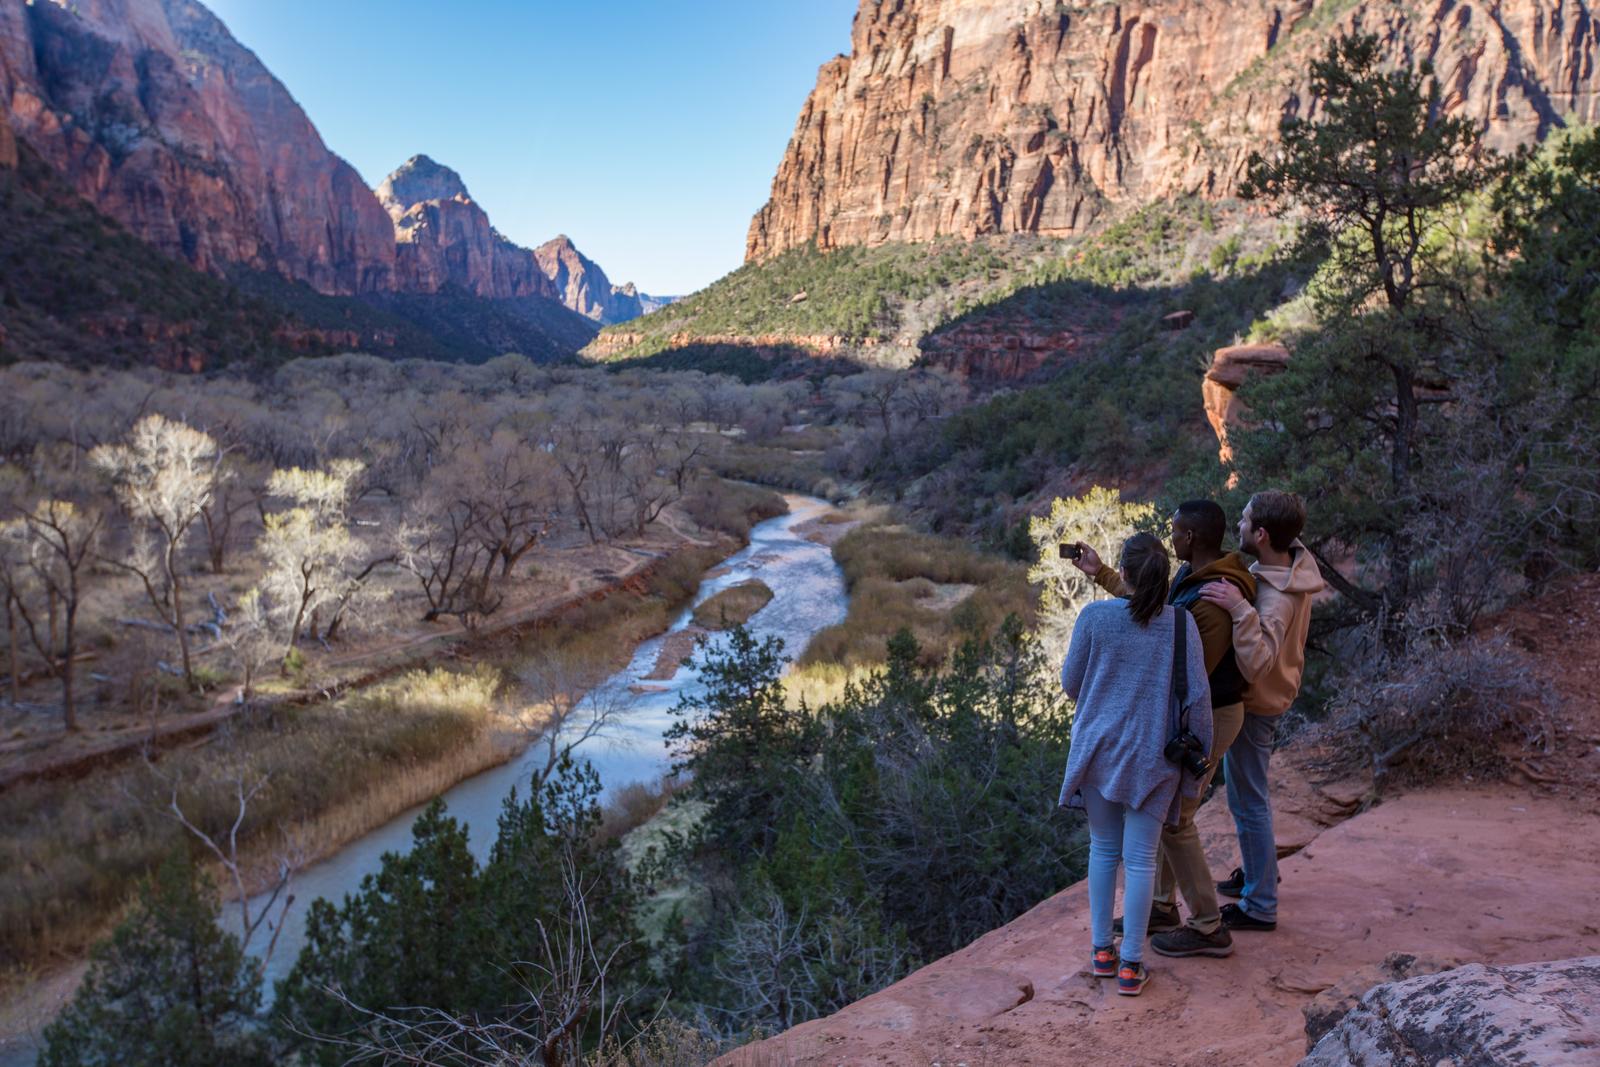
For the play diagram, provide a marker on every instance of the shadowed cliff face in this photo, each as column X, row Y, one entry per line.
column 156, row 115
column 968, row 117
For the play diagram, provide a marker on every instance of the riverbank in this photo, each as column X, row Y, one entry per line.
column 76, row 819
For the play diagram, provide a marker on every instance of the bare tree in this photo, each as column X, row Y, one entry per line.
column 223, row 847
column 252, row 638
column 17, row 584
column 513, row 491
column 570, row 703
column 439, row 545
column 64, row 536
column 164, row 475
column 239, row 487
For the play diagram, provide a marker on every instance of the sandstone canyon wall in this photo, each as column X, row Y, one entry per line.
column 970, row 117
column 153, row 113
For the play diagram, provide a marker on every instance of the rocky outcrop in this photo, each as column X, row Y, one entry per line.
column 153, row 113
column 970, row 117
column 1544, row 1014
column 444, row 239
column 584, row 287
column 1229, row 369
column 991, row 356
column 1329, row 1007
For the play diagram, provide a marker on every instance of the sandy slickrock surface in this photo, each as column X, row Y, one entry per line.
column 1494, row 874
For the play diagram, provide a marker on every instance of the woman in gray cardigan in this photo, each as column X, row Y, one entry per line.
column 1119, row 671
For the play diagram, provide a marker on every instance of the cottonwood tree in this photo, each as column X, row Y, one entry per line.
column 439, row 545
column 163, row 475
column 512, row 489
column 311, row 556
column 252, row 637
column 1099, row 518
column 656, row 470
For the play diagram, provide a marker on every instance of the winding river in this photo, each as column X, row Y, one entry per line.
column 808, row 595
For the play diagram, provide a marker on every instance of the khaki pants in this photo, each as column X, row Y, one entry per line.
column 1182, row 865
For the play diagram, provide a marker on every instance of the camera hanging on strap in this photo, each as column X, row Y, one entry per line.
column 1185, row 749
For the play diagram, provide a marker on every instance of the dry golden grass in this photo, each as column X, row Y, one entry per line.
column 73, row 847
column 897, row 577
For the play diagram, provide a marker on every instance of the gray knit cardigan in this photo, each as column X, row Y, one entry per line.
column 1120, row 675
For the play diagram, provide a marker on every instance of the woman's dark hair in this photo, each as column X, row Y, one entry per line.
column 1146, row 566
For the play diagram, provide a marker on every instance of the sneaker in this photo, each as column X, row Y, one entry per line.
column 1104, row 962
column 1191, row 942
column 1163, row 917
column 1131, row 979
column 1236, row 918
column 1234, row 886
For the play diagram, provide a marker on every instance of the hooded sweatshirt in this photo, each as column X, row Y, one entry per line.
column 1269, row 636
column 1228, row 678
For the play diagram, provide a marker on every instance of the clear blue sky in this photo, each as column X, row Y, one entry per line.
column 648, row 132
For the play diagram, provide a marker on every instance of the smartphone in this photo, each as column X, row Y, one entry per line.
column 1071, row 551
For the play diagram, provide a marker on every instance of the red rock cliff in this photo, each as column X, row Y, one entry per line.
column 968, row 117
column 157, row 116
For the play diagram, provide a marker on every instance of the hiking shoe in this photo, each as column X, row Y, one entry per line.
column 1104, row 962
column 1131, row 979
column 1234, row 886
column 1236, row 918
column 1191, row 942
column 1163, row 917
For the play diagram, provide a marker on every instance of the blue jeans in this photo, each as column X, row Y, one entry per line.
column 1118, row 833
column 1246, row 770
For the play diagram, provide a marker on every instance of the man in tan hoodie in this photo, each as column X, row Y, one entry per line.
column 1269, row 641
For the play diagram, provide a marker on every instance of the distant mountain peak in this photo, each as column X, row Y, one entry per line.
column 584, row 287
column 418, row 180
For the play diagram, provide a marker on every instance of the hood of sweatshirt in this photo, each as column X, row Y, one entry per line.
column 1300, row 576
column 1234, row 568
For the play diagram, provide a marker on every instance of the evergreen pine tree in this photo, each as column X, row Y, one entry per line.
column 169, row 988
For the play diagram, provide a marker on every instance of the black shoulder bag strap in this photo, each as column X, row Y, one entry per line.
column 1180, row 667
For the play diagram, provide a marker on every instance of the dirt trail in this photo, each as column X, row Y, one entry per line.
column 1494, row 872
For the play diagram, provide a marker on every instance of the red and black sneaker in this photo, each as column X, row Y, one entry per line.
column 1131, row 979
column 1104, row 962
